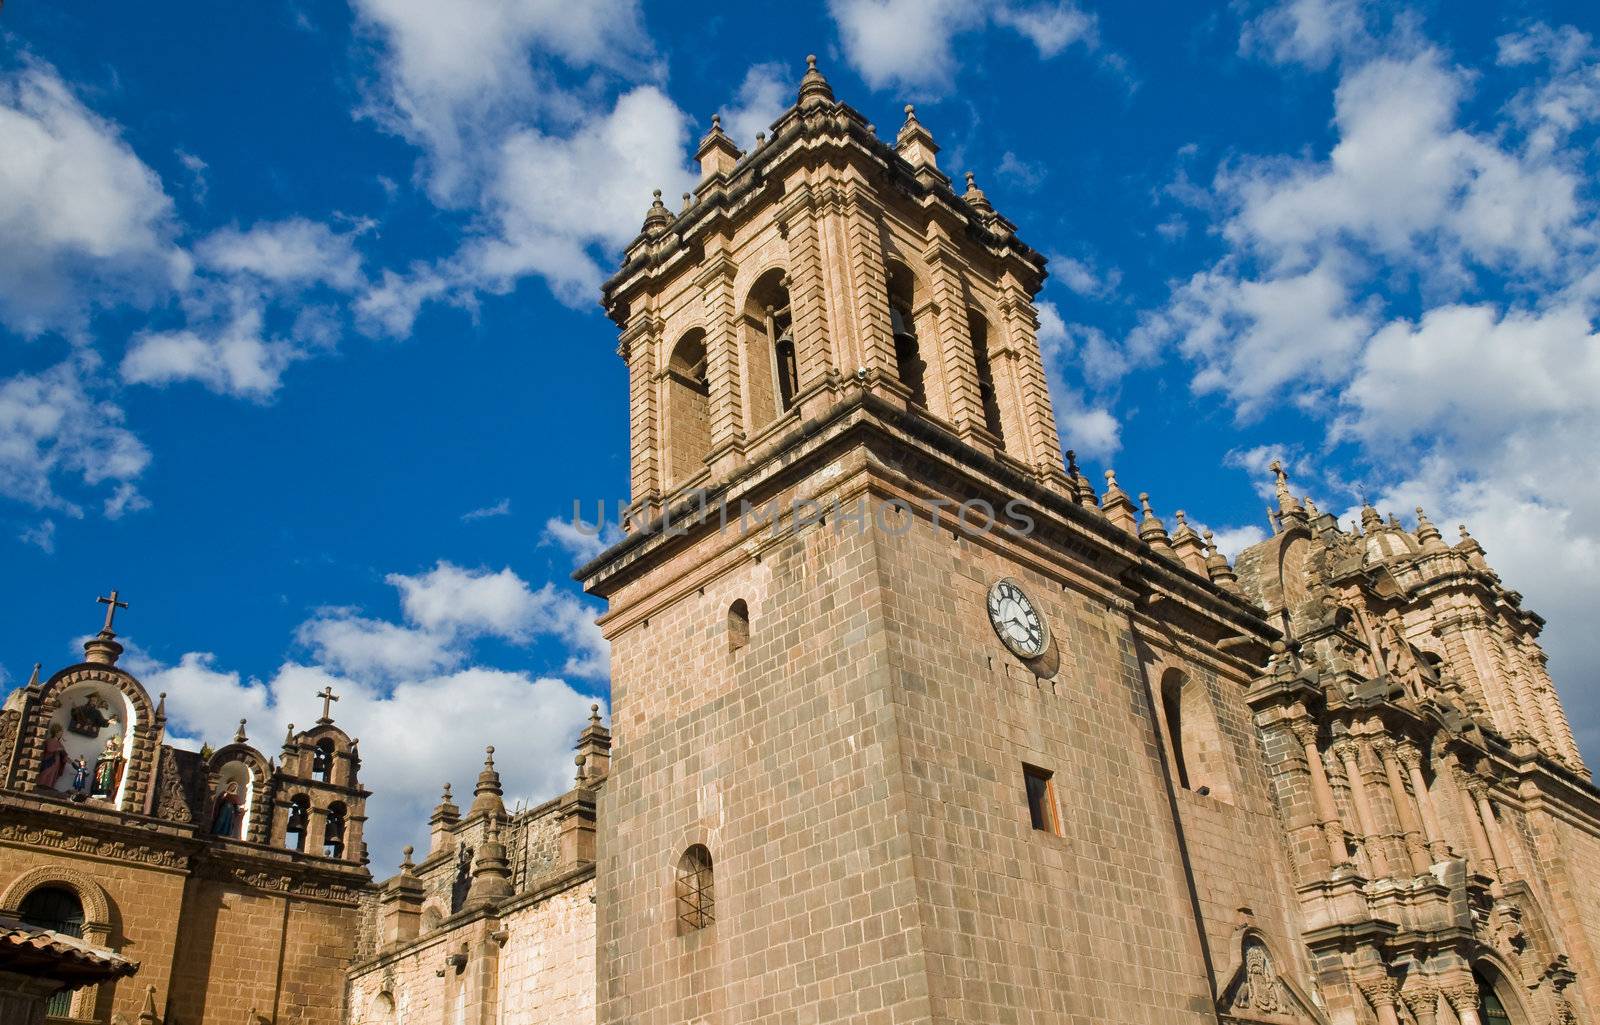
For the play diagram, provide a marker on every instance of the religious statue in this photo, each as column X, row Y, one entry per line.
column 55, row 758
column 89, row 718
column 80, row 778
column 229, row 806
column 108, row 770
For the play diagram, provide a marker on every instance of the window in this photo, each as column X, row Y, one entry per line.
column 56, row 908
column 1490, row 1007
column 462, row 883
column 696, row 895
column 1042, row 811
column 322, row 760
column 770, row 361
column 738, row 625
column 294, row 832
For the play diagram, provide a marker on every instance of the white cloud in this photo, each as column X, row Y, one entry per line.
column 908, row 43
column 456, row 76
column 583, row 542
column 1311, row 32
column 767, row 90
column 500, row 508
column 1024, row 174
column 294, row 252
column 53, row 427
column 373, row 648
column 232, row 359
column 84, row 223
column 1084, row 426
column 42, row 536
column 452, row 600
column 532, row 722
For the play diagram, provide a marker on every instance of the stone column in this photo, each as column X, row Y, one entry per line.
column 1348, row 753
column 1422, row 999
column 1480, row 839
column 1416, row 847
column 1463, row 999
column 637, row 348
column 1491, row 828
column 715, row 284
column 808, row 299
column 1038, row 443
column 869, row 281
column 959, row 367
column 1383, row 993
column 1322, row 793
column 1412, row 759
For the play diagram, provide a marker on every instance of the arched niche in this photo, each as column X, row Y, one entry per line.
column 688, row 408
column 91, row 895
column 913, row 336
column 96, row 715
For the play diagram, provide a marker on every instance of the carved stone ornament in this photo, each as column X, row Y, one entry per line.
column 174, row 802
column 1257, row 993
column 116, row 850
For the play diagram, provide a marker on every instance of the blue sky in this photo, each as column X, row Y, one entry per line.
column 301, row 348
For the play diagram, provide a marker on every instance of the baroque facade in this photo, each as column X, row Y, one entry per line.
column 911, row 723
column 233, row 881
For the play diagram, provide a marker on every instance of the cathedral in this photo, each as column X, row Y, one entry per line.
column 911, row 721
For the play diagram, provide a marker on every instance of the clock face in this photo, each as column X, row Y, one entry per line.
column 1016, row 620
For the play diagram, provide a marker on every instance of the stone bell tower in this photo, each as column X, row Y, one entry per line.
column 881, row 662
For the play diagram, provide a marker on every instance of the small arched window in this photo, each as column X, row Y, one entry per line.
column 56, row 908
column 333, row 832
column 738, row 625
column 294, row 832
column 322, row 760
column 463, row 880
column 695, row 890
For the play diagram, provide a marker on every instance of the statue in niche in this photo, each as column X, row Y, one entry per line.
column 108, row 770
column 89, row 718
column 55, row 758
column 80, row 778
column 229, row 808
column 1260, row 986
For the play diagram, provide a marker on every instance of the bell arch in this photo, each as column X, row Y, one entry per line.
column 688, row 406
column 771, row 364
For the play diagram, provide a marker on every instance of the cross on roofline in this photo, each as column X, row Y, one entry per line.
column 112, row 605
column 328, row 697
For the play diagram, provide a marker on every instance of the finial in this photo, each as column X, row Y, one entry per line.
column 488, row 757
column 1111, row 480
column 1370, row 520
column 594, row 714
column 1286, row 501
column 405, row 860
column 288, row 738
column 658, row 216
column 1144, row 503
column 1311, row 507
column 1211, row 544
column 975, row 197
column 813, row 87
column 688, row 200
column 1072, row 462
column 238, row 735
column 761, row 139
column 911, row 113
column 444, row 798
column 33, row 681
column 716, row 122
column 1427, row 533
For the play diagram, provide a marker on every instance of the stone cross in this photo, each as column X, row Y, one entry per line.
column 112, row 605
column 327, row 695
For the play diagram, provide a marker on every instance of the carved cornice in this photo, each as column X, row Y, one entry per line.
column 97, row 846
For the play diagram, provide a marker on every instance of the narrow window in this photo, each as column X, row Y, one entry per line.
column 1172, row 711
column 1041, row 799
column 770, row 366
column 780, row 329
column 738, row 625
column 463, row 880
column 294, row 833
column 695, row 891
